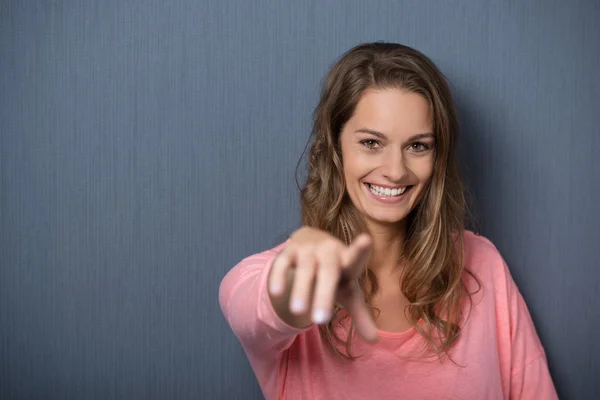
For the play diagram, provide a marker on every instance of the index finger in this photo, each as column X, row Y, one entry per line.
column 362, row 317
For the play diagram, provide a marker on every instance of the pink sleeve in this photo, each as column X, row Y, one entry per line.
column 246, row 306
column 529, row 375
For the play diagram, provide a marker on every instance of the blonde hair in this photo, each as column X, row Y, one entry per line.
column 433, row 283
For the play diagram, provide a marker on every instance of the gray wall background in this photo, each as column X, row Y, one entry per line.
column 148, row 146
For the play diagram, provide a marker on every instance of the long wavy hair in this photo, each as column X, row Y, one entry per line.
column 434, row 241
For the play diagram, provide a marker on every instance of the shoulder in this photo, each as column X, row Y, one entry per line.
column 262, row 258
column 247, row 273
column 482, row 259
column 252, row 264
column 478, row 248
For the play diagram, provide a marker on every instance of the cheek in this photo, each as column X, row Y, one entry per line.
column 423, row 169
column 351, row 176
column 354, row 166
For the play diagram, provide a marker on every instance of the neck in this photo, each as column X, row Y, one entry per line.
column 388, row 247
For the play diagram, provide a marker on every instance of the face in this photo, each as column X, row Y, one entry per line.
column 388, row 152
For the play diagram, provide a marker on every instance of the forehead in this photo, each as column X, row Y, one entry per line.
column 393, row 112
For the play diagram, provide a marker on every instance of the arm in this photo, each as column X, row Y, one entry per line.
column 247, row 308
column 520, row 346
column 312, row 267
column 530, row 377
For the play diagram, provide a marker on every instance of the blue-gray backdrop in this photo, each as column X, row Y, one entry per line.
column 148, row 146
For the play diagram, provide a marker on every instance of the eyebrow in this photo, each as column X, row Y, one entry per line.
column 382, row 136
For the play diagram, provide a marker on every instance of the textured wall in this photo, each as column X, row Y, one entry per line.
column 148, row 146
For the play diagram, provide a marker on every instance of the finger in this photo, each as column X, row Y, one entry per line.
column 303, row 281
column 362, row 317
column 356, row 256
column 328, row 275
column 277, row 275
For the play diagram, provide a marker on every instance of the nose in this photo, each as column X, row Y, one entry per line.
column 394, row 167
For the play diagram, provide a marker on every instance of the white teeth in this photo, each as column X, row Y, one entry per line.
column 380, row 191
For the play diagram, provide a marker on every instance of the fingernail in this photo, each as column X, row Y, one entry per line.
column 297, row 305
column 275, row 288
column 320, row 316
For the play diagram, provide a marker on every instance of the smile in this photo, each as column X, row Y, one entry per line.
column 386, row 192
column 387, row 195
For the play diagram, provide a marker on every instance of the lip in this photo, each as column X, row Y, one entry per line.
column 388, row 199
column 387, row 186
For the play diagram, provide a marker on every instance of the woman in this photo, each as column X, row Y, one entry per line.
column 383, row 253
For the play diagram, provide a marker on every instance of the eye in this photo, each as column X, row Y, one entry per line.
column 419, row 147
column 371, row 144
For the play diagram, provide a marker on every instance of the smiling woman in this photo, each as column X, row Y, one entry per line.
column 391, row 161
column 383, row 252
